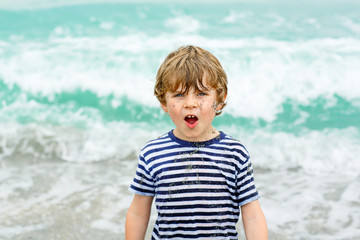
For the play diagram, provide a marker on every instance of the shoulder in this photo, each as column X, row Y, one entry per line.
column 235, row 147
column 155, row 145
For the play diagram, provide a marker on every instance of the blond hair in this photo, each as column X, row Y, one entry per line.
column 187, row 67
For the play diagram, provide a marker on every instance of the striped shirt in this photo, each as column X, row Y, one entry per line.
column 199, row 186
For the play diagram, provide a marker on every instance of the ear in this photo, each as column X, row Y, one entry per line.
column 164, row 107
column 221, row 104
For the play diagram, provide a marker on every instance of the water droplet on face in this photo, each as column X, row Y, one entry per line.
column 214, row 106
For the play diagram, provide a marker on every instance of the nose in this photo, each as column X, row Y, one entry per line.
column 190, row 101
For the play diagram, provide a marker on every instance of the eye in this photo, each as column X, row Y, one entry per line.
column 201, row 94
column 179, row 95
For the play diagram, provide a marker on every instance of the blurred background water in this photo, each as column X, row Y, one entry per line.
column 76, row 105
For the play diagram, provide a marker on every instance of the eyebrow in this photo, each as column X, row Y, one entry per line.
column 199, row 88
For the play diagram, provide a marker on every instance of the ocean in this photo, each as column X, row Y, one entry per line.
column 77, row 105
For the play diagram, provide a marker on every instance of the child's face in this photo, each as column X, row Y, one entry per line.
column 192, row 113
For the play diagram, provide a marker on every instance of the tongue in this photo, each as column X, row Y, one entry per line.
column 191, row 122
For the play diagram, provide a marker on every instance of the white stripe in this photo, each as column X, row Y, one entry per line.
column 208, row 171
column 135, row 184
column 193, row 179
column 192, row 186
column 247, row 178
column 209, row 224
column 242, row 196
column 190, row 203
column 167, row 151
column 200, row 232
column 200, row 218
column 244, row 172
column 159, row 145
column 140, row 171
column 233, row 148
column 207, row 161
column 199, row 210
column 194, row 151
column 196, row 194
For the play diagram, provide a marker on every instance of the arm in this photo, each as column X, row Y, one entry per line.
column 137, row 217
column 254, row 221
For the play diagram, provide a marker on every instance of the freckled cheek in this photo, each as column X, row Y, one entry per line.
column 214, row 106
column 202, row 104
column 208, row 105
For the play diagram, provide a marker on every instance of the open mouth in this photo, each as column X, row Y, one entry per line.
column 191, row 120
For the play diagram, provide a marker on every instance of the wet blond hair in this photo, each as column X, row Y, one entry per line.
column 187, row 67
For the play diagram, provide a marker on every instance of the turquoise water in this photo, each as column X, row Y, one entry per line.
column 76, row 87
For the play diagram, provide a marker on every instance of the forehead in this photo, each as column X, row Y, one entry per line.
column 181, row 84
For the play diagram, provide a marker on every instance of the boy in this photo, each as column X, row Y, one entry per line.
column 199, row 176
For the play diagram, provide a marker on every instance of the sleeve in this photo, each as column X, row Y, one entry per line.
column 143, row 183
column 245, row 185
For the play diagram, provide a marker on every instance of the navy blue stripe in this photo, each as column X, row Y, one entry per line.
column 194, row 236
column 232, row 150
column 197, row 174
column 179, row 155
column 190, row 190
column 162, row 141
column 195, row 166
column 246, row 182
column 196, row 144
column 143, row 175
column 158, row 141
column 141, row 190
column 189, row 162
column 142, row 168
column 226, row 228
column 195, row 198
column 204, row 206
column 213, row 221
column 248, row 197
column 245, row 176
column 142, row 183
column 247, row 189
column 199, row 182
column 199, row 214
column 155, row 231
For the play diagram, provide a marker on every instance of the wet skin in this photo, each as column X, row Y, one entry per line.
column 192, row 113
